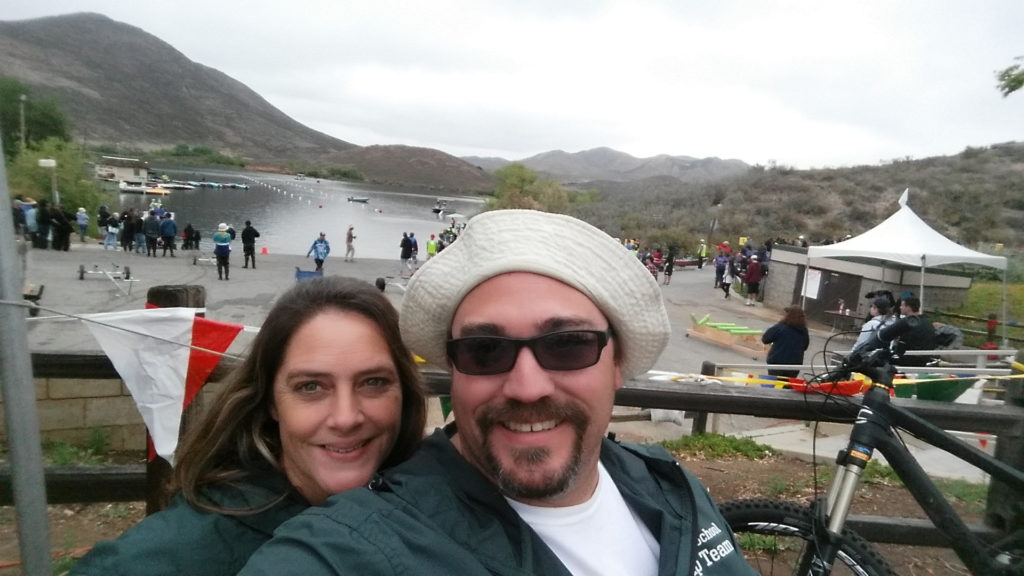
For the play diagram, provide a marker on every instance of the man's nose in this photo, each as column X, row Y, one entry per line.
column 528, row 381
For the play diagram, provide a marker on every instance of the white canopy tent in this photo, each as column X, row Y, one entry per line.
column 906, row 239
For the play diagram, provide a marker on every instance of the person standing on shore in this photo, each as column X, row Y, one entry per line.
column 82, row 219
column 138, row 228
column 113, row 227
column 127, row 230
column 169, row 233
column 31, row 225
column 350, row 249
column 431, row 247
column 404, row 255
column 249, row 236
column 186, row 237
column 320, row 249
column 151, row 228
column 415, row 254
column 222, row 249
column 62, row 227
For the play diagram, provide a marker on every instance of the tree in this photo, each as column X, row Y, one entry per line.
column 77, row 186
column 1011, row 78
column 43, row 118
column 520, row 187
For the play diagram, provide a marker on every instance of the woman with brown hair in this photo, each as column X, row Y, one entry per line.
column 789, row 340
column 327, row 395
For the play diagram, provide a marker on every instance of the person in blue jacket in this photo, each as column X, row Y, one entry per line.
column 327, row 394
column 789, row 340
column 540, row 318
column 320, row 249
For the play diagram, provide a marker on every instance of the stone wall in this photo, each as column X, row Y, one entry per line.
column 71, row 408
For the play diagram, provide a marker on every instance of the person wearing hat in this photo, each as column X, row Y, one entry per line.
column 752, row 277
column 82, row 219
column 222, row 250
column 320, row 249
column 540, row 318
column 702, row 253
column 881, row 316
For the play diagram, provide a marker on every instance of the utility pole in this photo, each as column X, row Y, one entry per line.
column 52, row 164
column 22, row 103
column 24, row 440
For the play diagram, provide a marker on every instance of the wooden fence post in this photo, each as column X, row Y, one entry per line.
column 700, row 419
column 158, row 470
column 1005, row 507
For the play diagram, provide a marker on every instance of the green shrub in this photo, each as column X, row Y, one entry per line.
column 717, row 446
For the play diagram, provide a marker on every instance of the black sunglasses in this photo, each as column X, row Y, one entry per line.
column 566, row 350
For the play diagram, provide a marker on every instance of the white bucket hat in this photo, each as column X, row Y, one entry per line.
column 222, row 227
column 553, row 245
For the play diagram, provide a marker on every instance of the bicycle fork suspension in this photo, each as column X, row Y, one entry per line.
column 850, row 464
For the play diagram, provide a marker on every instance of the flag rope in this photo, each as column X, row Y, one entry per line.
column 70, row 316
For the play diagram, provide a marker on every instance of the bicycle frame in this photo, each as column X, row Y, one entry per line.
column 873, row 430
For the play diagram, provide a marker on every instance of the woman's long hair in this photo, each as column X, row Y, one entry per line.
column 794, row 316
column 237, row 435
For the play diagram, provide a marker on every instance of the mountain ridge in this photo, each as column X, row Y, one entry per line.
column 604, row 163
column 114, row 88
column 120, row 84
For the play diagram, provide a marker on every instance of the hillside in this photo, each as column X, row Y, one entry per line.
column 120, row 85
column 607, row 164
column 975, row 198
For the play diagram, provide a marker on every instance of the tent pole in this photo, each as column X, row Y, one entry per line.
column 1006, row 341
column 803, row 293
column 920, row 294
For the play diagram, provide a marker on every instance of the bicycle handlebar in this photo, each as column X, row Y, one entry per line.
column 875, row 364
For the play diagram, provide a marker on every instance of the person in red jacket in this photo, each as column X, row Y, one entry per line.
column 752, row 277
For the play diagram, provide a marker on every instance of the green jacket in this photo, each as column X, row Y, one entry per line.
column 184, row 541
column 436, row 514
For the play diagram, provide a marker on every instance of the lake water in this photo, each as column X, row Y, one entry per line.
column 290, row 213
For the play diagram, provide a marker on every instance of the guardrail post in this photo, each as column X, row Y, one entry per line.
column 700, row 419
column 158, row 470
column 1003, row 509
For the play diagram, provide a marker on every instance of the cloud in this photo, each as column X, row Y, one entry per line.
column 800, row 82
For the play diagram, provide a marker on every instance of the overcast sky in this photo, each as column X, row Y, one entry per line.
column 802, row 83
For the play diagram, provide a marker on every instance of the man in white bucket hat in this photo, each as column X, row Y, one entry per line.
column 540, row 318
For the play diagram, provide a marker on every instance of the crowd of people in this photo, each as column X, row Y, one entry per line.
column 409, row 247
column 132, row 230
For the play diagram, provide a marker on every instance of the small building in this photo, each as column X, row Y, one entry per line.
column 116, row 169
column 848, row 280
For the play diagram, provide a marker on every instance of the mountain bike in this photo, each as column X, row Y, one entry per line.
column 813, row 540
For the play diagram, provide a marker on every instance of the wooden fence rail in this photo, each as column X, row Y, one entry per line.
column 127, row 483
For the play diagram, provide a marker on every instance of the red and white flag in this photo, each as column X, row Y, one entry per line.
column 152, row 352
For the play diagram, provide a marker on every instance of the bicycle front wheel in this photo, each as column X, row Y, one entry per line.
column 774, row 535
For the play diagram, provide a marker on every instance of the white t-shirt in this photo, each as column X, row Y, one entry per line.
column 601, row 536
